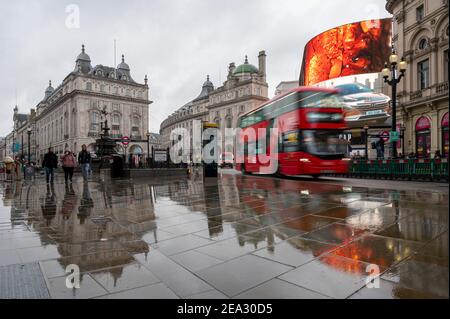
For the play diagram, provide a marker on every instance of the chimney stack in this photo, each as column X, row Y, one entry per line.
column 262, row 64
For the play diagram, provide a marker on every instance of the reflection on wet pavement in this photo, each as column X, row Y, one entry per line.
column 236, row 237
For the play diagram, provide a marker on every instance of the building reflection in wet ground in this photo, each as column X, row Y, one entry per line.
column 235, row 237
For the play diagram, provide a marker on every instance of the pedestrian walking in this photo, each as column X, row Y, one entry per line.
column 84, row 159
column 68, row 164
column 50, row 163
column 437, row 154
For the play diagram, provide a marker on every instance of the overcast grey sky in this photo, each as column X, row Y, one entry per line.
column 176, row 42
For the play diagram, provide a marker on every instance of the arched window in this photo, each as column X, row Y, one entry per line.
column 445, row 136
column 423, row 137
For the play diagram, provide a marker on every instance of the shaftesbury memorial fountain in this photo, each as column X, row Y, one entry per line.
column 106, row 149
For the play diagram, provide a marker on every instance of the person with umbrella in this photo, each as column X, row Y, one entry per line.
column 9, row 167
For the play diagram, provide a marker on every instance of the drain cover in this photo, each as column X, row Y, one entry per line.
column 22, row 281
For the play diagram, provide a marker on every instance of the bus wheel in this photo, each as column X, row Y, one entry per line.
column 316, row 176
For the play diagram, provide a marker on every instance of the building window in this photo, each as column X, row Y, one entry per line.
column 115, row 125
column 136, row 122
column 95, row 122
column 446, row 65
column 420, row 12
column 423, row 69
column 89, row 86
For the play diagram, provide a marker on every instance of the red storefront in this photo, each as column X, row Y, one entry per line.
column 445, row 137
column 423, row 137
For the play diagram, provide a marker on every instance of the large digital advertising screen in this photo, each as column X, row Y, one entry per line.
column 351, row 49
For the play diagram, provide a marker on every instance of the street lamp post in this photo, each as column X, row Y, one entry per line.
column 29, row 149
column 392, row 72
column 14, row 144
column 21, row 148
column 148, row 149
column 26, row 171
column 366, row 138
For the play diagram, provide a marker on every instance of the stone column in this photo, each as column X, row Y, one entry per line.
column 434, row 131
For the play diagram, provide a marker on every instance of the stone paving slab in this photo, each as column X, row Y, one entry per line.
column 241, row 237
column 22, row 281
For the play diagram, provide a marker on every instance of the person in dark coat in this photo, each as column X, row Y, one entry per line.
column 50, row 163
column 84, row 159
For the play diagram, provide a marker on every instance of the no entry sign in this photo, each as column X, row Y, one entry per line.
column 384, row 136
column 125, row 141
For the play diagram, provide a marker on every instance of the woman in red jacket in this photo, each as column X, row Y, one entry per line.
column 68, row 165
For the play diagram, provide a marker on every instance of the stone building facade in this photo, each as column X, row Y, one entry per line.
column 70, row 115
column 421, row 35
column 245, row 89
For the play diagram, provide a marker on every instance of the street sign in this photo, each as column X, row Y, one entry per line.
column 16, row 147
column 160, row 156
column 394, row 136
column 385, row 136
column 125, row 141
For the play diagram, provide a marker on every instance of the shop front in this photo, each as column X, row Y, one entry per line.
column 445, row 137
column 423, row 137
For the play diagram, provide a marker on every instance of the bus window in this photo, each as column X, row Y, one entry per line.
column 323, row 143
column 290, row 141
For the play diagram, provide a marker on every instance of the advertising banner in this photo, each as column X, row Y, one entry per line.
column 351, row 49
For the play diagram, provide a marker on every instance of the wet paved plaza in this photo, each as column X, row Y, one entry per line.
column 239, row 237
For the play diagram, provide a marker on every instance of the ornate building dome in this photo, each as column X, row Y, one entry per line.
column 207, row 87
column 123, row 66
column 49, row 90
column 245, row 68
column 83, row 62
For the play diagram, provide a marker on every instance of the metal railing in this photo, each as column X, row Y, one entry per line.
column 401, row 169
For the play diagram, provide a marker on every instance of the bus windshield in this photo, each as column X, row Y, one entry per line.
column 323, row 143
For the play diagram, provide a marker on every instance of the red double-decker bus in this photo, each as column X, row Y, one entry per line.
column 310, row 126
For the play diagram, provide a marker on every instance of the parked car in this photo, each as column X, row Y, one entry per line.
column 226, row 160
column 363, row 103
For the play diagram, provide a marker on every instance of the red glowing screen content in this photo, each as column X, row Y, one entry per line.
column 351, row 49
